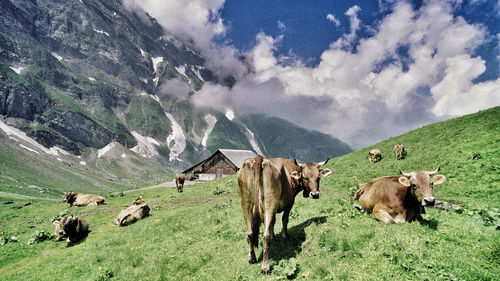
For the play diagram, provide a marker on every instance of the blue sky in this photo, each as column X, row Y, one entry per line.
column 362, row 71
column 307, row 31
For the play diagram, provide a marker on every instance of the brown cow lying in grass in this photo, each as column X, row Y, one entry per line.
column 399, row 199
column 374, row 155
column 82, row 199
column 71, row 228
column 137, row 211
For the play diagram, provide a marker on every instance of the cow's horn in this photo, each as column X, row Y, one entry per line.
column 435, row 171
column 404, row 174
column 323, row 163
column 295, row 161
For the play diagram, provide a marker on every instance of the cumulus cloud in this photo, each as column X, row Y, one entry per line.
column 176, row 88
column 418, row 67
column 333, row 19
column 197, row 21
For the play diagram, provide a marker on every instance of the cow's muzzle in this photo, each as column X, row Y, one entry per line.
column 314, row 195
column 428, row 201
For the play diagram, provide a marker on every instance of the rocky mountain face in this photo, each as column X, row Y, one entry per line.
column 84, row 74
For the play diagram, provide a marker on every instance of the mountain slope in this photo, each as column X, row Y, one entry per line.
column 80, row 75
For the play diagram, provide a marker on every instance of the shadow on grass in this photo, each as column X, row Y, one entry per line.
column 71, row 244
column 431, row 224
column 281, row 248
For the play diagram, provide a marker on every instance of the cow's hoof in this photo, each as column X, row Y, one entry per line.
column 252, row 259
column 284, row 235
column 265, row 269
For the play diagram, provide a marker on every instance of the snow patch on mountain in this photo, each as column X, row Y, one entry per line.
column 146, row 146
column 196, row 70
column 156, row 61
column 253, row 142
column 143, row 53
column 182, row 70
column 229, row 114
column 105, row 149
column 18, row 69
column 58, row 57
column 155, row 97
column 17, row 135
column 176, row 141
column 211, row 121
column 101, row 32
column 29, row 149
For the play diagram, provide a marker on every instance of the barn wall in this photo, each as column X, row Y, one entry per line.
column 219, row 161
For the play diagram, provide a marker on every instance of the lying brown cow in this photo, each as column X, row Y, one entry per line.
column 81, row 199
column 137, row 211
column 269, row 186
column 374, row 155
column 399, row 199
column 399, row 151
column 179, row 182
column 71, row 228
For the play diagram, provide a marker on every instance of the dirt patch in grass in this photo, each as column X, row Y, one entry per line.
column 170, row 203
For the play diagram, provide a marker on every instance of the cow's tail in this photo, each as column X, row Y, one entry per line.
column 257, row 173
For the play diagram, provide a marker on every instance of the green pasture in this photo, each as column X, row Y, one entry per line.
column 200, row 234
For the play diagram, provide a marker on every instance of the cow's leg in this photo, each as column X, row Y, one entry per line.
column 270, row 217
column 382, row 215
column 284, row 220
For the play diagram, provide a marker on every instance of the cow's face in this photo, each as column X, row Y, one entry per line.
column 421, row 185
column 63, row 227
column 308, row 177
column 68, row 196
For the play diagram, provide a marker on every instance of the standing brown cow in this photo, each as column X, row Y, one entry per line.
column 269, row 186
column 399, row 151
column 374, row 155
column 71, row 228
column 399, row 199
column 179, row 182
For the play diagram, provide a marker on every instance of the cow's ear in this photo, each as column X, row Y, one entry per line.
column 404, row 181
column 325, row 172
column 55, row 222
column 295, row 175
column 438, row 179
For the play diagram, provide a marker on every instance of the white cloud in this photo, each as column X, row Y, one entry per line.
column 197, row 21
column 416, row 68
column 333, row 19
column 281, row 26
column 175, row 87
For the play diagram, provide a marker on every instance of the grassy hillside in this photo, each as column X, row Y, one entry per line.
column 200, row 234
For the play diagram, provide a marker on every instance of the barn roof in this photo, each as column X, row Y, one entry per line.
column 234, row 155
column 237, row 156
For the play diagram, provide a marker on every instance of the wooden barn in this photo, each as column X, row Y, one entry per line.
column 223, row 162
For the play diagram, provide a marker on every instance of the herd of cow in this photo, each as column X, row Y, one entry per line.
column 268, row 186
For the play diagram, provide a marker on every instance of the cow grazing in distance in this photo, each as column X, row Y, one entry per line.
column 81, row 199
column 72, row 229
column 399, row 151
column 131, row 214
column 399, row 199
column 374, row 155
column 269, row 186
column 179, row 182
